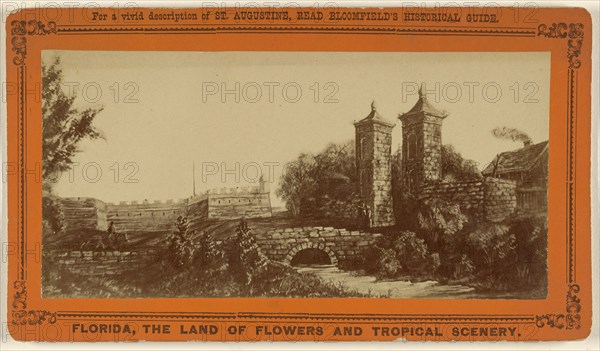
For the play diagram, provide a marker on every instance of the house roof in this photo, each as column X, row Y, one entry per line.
column 516, row 161
column 374, row 116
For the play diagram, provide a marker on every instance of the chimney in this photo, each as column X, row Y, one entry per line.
column 526, row 143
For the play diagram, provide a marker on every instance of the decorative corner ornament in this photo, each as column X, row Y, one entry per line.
column 21, row 315
column 573, row 31
column 20, row 29
column 570, row 320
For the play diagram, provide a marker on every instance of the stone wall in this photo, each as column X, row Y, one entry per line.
column 491, row 198
column 469, row 195
column 156, row 216
column 197, row 211
column 279, row 245
column 500, row 198
column 83, row 213
column 160, row 216
column 340, row 244
column 345, row 209
column 97, row 263
column 227, row 203
column 233, row 204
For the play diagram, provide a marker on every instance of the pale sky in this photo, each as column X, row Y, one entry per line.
column 173, row 123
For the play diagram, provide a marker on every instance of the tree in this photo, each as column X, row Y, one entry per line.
column 181, row 248
column 304, row 181
column 63, row 125
column 63, row 128
column 250, row 261
column 209, row 253
column 335, row 158
column 455, row 167
column 297, row 183
column 52, row 216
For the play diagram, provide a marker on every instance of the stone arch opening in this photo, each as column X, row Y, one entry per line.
column 307, row 251
column 310, row 257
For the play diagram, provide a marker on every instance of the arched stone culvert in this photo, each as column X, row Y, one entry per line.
column 310, row 245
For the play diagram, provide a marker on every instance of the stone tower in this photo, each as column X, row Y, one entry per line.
column 421, row 144
column 263, row 186
column 374, row 168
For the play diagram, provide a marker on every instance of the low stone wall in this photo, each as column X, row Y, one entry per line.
column 279, row 245
column 468, row 195
column 99, row 263
column 491, row 198
column 346, row 209
column 340, row 244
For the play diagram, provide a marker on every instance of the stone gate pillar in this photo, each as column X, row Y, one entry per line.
column 374, row 166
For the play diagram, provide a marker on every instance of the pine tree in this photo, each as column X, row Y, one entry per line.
column 181, row 247
column 209, row 254
column 251, row 261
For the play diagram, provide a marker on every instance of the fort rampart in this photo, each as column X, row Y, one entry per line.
column 84, row 213
column 159, row 216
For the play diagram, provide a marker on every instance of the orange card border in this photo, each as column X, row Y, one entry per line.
column 564, row 315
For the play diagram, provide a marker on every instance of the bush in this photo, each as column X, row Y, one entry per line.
column 459, row 266
column 439, row 222
column 511, row 255
column 402, row 254
column 411, row 252
column 531, row 250
column 493, row 245
column 388, row 265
